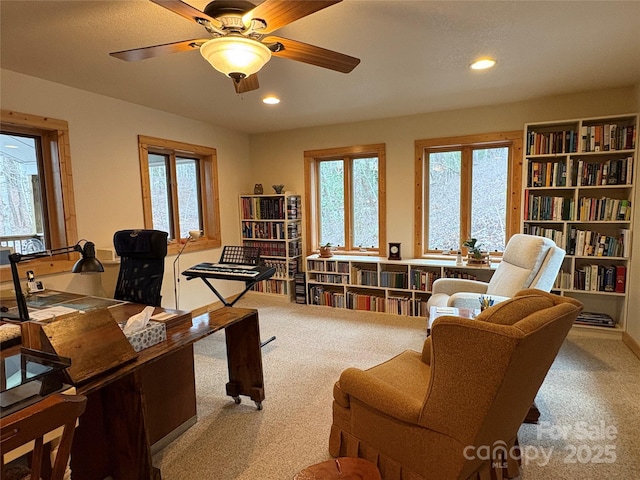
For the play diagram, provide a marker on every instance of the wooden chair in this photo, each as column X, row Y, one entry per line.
column 33, row 423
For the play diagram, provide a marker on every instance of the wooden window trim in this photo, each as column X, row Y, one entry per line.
column 60, row 201
column 514, row 139
column 208, row 177
column 311, row 211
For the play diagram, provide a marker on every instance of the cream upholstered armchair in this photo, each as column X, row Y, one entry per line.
column 529, row 261
column 423, row 416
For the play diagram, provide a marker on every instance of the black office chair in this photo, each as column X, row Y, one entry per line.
column 142, row 255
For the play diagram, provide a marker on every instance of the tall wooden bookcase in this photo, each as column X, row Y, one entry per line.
column 273, row 224
column 579, row 185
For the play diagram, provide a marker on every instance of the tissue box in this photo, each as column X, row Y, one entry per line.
column 154, row 332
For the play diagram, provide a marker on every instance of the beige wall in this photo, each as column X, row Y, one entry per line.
column 104, row 153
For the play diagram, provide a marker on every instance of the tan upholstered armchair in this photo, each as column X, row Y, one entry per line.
column 423, row 415
column 528, row 261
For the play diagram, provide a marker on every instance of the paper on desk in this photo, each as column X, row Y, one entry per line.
column 445, row 309
column 138, row 321
column 51, row 312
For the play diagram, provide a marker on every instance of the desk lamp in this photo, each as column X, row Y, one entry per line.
column 87, row 264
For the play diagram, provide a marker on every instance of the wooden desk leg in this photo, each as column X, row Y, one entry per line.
column 124, row 414
column 244, row 359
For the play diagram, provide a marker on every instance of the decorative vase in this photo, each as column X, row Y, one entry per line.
column 325, row 252
column 278, row 188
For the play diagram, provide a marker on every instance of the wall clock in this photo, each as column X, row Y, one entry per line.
column 394, row 251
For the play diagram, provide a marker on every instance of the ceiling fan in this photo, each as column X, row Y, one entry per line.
column 238, row 47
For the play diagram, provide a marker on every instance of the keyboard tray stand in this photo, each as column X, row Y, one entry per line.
column 242, row 256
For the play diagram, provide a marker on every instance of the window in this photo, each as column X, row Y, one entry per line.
column 37, row 210
column 345, row 203
column 467, row 187
column 180, row 190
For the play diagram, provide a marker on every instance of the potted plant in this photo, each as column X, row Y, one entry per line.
column 325, row 250
column 475, row 255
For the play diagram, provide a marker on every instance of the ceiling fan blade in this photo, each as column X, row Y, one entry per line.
column 321, row 57
column 278, row 13
column 185, row 10
column 136, row 54
column 247, row 84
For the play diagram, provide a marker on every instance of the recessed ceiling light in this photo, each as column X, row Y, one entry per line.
column 271, row 100
column 483, row 63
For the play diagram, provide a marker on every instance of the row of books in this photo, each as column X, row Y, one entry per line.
column 318, row 295
column 588, row 243
column 564, row 281
column 557, row 236
column 547, row 174
column 284, row 268
column 595, row 319
column 330, row 278
column 392, row 279
column 545, row 207
column 362, row 276
column 561, row 141
column 263, row 230
column 610, row 172
column 600, row 278
column 275, row 249
column 330, row 266
column 363, row 301
column 399, row 305
column 271, row 286
column 448, row 273
column 586, row 173
column 607, row 137
column 271, row 208
column 422, row 279
column 603, row 209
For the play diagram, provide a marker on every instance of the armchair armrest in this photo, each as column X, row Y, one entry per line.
column 380, row 395
column 450, row 286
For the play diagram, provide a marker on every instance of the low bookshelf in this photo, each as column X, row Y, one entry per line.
column 377, row 284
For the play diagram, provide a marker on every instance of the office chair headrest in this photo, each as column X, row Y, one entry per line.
column 141, row 243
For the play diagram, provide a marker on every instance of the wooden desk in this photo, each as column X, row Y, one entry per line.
column 140, row 403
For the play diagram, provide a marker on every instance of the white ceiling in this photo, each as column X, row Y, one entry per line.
column 414, row 57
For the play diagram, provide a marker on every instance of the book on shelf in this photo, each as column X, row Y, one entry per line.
column 610, row 278
column 621, row 278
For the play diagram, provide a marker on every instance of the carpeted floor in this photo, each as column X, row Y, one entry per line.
column 588, row 403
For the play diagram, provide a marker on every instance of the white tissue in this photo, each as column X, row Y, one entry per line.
column 138, row 321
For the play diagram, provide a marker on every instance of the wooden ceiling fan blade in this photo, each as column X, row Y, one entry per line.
column 143, row 53
column 185, row 10
column 321, row 57
column 247, row 84
column 278, row 13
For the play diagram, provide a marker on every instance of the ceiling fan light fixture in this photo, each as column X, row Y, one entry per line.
column 235, row 56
